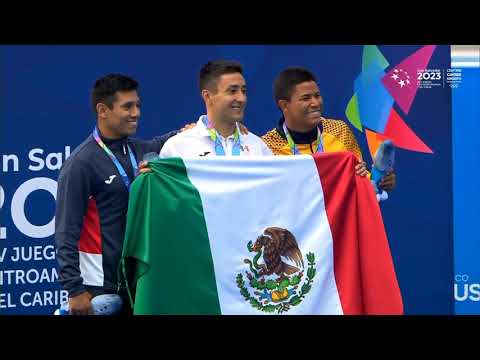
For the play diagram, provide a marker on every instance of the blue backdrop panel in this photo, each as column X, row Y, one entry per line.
column 466, row 164
column 45, row 114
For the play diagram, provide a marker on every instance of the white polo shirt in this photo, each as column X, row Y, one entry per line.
column 196, row 142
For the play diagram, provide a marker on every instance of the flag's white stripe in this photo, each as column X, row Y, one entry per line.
column 242, row 197
column 91, row 268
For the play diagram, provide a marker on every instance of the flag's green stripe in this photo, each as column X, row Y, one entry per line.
column 174, row 267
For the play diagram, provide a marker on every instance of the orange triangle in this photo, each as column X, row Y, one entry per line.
column 374, row 140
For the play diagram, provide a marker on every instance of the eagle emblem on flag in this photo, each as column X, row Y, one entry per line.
column 275, row 285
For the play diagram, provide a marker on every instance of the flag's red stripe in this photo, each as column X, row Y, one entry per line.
column 90, row 238
column 363, row 266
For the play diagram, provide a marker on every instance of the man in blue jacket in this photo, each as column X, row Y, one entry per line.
column 92, row 195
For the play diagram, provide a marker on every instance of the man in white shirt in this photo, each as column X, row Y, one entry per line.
column 217, row 133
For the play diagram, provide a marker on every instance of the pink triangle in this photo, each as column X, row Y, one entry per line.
column 402, row 136
column 401, row 81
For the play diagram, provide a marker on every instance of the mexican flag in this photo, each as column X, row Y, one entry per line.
column 264, row 235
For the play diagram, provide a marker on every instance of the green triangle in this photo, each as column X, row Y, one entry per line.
column 352, row 112
column 371, row 53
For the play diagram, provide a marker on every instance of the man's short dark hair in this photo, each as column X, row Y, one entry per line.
column 286, row 81
column 105, row 89
column 213, row 70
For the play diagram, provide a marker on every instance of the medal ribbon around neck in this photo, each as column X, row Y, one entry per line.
column 294, row 147
column 115, row 161
column 219, row 150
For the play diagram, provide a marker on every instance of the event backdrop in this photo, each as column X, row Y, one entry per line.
column 45, row 114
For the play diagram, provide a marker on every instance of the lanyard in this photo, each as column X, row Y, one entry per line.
column 112, row 157
column 219, row 150
column 293, row 146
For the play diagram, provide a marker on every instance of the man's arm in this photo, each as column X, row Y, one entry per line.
column 159, row 141
column 158, row 147
column 351, row 145
column 72, row 199
column 162, row 139
column 350, row 142
column 388, row 182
